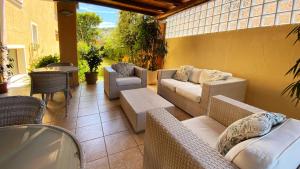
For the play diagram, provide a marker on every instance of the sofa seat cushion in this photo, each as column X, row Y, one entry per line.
column 278, row 149
column 190, row 91
column 126, row 81
column 206, row 128
column 172, row 83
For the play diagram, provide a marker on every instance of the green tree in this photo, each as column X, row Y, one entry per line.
column 128, row 30
column 87, row 27
column 113, row 48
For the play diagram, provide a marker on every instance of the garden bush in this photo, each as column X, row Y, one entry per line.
column 45, row 60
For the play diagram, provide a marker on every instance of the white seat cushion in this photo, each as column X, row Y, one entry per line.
column 125, row 81
column 190, row 91
column 278, row 149
column 172, row 83
column 206, row 128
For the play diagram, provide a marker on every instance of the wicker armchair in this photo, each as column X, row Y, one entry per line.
column 48, row 83
column 15, row 110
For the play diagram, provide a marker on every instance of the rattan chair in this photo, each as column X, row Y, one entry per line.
column 16, row 110
column 46, row 83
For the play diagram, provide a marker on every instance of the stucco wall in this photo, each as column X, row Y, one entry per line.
column 260, row 55
column 18, row 26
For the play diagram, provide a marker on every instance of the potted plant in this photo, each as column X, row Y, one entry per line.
column 153, row 47
column 94, row 58
column 4, row 68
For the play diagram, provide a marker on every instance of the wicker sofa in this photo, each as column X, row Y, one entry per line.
column 114, row 84
column 171, row 144
column 233, row 87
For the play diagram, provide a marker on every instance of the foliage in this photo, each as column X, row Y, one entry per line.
column 128, row 31
column 293, row 89
column 113, row 48
column 87, row 27
column 46, row 60
column 5, row 67
column 150, row 42
column 93, row 57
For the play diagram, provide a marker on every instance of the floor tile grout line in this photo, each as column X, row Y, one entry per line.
column 103, row 134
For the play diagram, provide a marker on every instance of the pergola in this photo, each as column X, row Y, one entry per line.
column 161, row 9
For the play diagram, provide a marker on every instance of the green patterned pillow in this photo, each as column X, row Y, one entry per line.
column 255, row 125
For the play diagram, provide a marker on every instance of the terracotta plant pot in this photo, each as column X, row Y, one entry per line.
column 91, row 77
column 3, row 87
column 151, row 77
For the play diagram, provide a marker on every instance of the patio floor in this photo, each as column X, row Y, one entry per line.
column 100, row 125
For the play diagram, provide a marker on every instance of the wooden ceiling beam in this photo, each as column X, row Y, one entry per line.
column 122, row 6
column 143, row 4
column 180, row 8
column 174, row 2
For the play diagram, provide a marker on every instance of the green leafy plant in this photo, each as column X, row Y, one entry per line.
column 151, row 43
column 46, row 60
column 5, row 64
column 87, row 27
column 293, row 89
column 93, row 57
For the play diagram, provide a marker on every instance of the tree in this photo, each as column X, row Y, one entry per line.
column 128, row 32
column 87, row 27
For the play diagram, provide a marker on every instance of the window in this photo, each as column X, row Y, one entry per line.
column 34, row 32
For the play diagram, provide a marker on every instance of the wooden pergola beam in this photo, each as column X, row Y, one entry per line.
column 180, row 8
column 122, row 6
column 144, row 4
column 174, row 2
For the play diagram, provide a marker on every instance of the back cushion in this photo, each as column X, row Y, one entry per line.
column 124, row 69
column 194, row 77
column 183, row 73
column 279, row 149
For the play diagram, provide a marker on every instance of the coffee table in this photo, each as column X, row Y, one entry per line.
column 137, row 102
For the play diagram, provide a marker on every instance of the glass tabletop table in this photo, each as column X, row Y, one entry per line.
column 39, row 146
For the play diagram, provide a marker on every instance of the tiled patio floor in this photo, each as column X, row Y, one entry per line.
column 100, row 126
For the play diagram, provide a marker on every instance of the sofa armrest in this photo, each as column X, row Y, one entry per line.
column 226, row 110
column 170, row 145
column 141, row 73
column 233, row 87
column 110, row 85
column 165, row 74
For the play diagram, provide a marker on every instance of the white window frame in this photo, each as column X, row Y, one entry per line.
column 37, row 33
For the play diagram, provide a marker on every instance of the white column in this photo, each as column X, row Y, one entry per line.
column 3, row 37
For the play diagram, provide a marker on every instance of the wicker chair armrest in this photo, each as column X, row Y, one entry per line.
column 170, row 145
column 226, row 110
column 165, row 74
column 141, row 73
column 17, row 110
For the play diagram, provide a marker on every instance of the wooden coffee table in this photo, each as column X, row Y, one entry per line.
column 137, row 102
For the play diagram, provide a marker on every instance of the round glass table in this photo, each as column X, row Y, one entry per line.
column 40, row 147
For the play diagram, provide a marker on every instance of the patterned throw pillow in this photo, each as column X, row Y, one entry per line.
column 255, row 125
column 124, row 69
column 194, row 77
column 213, row 75
column 183, row 73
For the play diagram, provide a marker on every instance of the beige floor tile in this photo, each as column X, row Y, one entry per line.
column 88, row 98
column 88, row 111
column 141, row 147
column 68, row 124
column 94, row 149
column 139, row 138
column 111, row 115
column 119, row 142
column 88, row 120
column 129, row 159
column 107, row 108
column 98, row 164
column 84, row 105
column 115, row 126
column 89, row 132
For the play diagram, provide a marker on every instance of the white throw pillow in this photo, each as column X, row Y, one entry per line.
column 213, row 75
column 255, row 125
column 183, row 73
column 194, row 77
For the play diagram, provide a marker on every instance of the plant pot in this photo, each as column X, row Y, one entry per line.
column 151, row 77
column 3, row 87
column 91, row 77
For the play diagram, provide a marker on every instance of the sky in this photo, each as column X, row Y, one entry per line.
column 108, row 15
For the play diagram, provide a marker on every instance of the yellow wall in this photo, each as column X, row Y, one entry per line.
column 260, row 55
column 18, row 26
